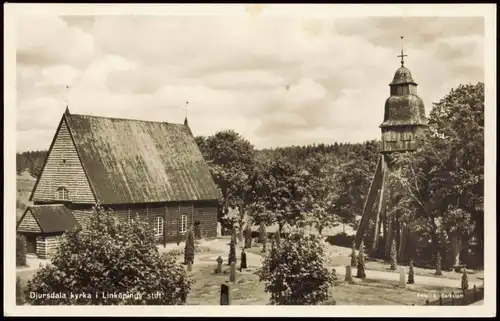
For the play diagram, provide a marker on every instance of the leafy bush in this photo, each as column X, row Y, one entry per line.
column 20, row 250
column 341, row 239
column 189, row 247
column 111, row 257
column 294, row 273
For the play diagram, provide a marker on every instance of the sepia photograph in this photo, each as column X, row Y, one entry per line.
column 326, row 156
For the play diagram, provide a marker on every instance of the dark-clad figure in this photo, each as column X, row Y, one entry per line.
column 243, row 263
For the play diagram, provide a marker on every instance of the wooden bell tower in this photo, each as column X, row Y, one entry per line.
column 404, row 117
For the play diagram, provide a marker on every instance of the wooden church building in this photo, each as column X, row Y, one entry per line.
column 132, row 167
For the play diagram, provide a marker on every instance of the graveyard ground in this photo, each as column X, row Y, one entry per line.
column 380, row 288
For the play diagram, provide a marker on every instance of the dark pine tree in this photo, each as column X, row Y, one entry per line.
column 361, row 274
column 354, row 261
column 465, row 280
column 411, row 273
column 438, row 264
column 232, row 253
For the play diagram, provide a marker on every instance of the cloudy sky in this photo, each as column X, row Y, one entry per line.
column 276, row 81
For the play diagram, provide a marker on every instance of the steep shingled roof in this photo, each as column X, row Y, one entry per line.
column 53, row 218
column 404, row 110
column 135, row 161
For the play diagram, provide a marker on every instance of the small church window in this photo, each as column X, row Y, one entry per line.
column 391, row 136
column 407, row 136
column 183, row 226
column 62, row 193
column 159, row 226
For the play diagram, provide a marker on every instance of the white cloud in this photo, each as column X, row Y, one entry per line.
column 275, row 81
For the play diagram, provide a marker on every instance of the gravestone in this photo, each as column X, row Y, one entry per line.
column 243, row 263
column 348, row 274
column 232, row 274
column 219, row 229
column 402, row 277
column 189, row 266
column 225, row 298
column 219, row 265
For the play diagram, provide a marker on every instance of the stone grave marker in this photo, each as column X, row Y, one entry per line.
column 219, row 229
column 219, row 265
column 232, row 274
column 402, row 277
column 348, row 274
column 225, row 298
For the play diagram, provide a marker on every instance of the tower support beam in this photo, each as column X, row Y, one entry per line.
column 369, row 203
column 381, row 204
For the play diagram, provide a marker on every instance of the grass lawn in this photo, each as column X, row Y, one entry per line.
column 249, row 291
column 384, row 292
column 255, row 249
column 206, row 290
column 380, row 265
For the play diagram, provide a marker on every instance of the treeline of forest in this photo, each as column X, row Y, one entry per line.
column 32, row 161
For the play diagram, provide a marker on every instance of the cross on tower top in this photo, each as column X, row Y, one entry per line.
column 402, row 54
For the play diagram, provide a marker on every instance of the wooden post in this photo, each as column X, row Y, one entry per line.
column 452, row 298
column 348, row 274
column 370, row 200
column 225, row 297
column 402, row 277
column 440, row 300
column 390, row 233
column 474, row 293
column 232, row 274
column 381, row 199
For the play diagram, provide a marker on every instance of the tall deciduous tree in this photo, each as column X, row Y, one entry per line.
column 442, row 182
column 321, row 192
column 231, row 161
column 283, row 192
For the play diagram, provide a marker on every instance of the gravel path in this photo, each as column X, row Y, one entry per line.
column 420, row 279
